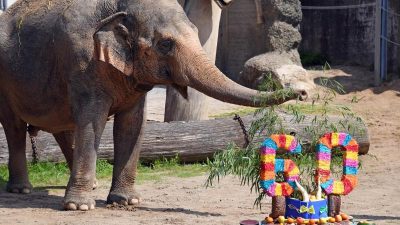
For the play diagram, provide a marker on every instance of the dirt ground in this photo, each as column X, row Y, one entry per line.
column 186, row 201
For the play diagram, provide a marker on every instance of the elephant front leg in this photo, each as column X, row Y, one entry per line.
column 90, row 126
column 65, row 140
column 18, row 182
column 127, row 137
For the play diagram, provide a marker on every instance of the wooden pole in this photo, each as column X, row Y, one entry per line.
column 378, row 31
column 384, row 43
column 259, row 11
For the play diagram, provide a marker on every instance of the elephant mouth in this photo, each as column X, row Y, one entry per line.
column 165, row 73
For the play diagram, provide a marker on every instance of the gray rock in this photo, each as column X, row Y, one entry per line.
column 282, row 37
column 294, row 57
column 280, row 66
column 288, row 11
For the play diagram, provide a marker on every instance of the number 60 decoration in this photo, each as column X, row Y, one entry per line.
column 270, row 165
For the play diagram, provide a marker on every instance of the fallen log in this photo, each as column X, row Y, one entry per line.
column 192, row 141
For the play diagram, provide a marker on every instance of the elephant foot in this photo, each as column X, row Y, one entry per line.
column 19, row 188
column 124, row 198
column 78, row 202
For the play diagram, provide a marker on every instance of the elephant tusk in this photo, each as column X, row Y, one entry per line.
column 319, row 191
column 306, row 196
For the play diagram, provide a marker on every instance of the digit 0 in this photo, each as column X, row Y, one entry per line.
column 270, row 165
column 350, row 163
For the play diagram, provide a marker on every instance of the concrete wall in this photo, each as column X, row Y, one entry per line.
column 346, row 36
column 241, row 37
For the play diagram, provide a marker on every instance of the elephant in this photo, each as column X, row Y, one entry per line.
column 66, row 66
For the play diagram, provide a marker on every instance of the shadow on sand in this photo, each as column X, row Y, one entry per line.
column 372, row 217
column 356, row 79
column 178, row 210
column 39, row 198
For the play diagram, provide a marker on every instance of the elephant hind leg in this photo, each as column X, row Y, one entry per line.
column 15, row 131
column 66, row 142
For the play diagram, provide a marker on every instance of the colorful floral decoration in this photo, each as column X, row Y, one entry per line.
column 350, row 163
column 270, row 166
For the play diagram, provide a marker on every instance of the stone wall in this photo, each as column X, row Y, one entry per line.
column 346, row 36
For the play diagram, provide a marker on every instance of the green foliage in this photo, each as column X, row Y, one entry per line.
column 55, row 174
column 244, row 163
column 269, row 83
column 309, row 59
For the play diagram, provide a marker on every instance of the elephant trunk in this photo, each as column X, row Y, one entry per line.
column 204, row 76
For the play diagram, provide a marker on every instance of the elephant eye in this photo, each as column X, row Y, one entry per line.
column 165, row 46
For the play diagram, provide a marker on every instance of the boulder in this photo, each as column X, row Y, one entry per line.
column 280, row 66
column 288, row 11
column 294, row 76
column 283, row 37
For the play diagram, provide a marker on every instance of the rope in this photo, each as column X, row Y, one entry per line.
column 390, row 41
column 246, row 135
column 390, row 12
column 338, row 7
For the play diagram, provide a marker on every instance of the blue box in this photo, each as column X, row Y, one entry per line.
column 306, row 210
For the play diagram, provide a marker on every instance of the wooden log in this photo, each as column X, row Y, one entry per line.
column 192, row 141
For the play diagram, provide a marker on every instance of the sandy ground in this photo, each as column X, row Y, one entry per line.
column 186, row 201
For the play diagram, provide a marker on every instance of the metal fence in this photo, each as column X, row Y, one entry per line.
column 381, row 39
column 3, row 5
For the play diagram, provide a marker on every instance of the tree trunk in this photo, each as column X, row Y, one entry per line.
column 177, row 108
column 193, row 141
column 205, row 15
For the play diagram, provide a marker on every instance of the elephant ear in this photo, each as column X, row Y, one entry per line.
column 113, row 45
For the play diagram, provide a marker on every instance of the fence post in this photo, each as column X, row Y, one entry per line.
column 384, row 43
column 378, row 31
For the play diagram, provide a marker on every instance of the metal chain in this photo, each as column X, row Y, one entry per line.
column 246, row 135
column 32, row 136
column 34, row 150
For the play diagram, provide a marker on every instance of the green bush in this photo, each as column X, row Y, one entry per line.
column 309, row 59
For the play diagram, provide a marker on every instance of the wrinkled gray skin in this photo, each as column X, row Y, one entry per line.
column 65, row 68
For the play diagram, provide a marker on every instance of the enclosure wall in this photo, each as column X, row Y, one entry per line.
column 346, row 36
